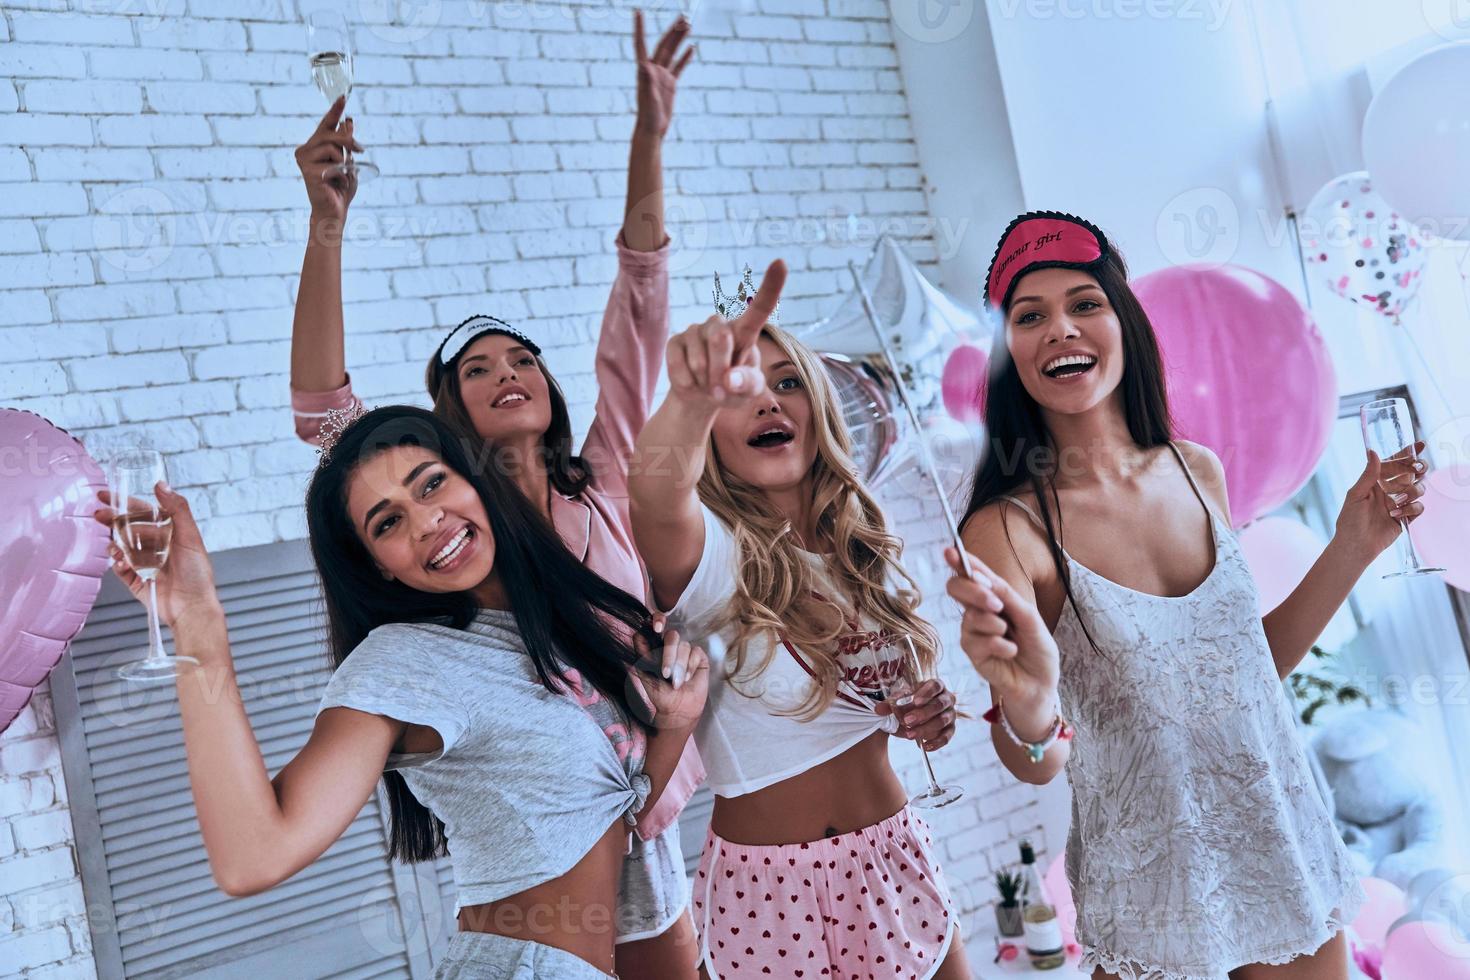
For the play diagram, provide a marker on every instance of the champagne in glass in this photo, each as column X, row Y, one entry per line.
column 332, row 72
column 143, row 533
column 143, row 537
column 1388, row 430
column 330, row 51
column 896, row 672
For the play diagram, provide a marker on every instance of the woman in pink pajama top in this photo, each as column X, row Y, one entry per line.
column 491, row 377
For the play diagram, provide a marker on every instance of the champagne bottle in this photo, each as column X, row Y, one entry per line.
column 1039, row 923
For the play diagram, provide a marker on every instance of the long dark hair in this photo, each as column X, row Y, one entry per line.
column 567, row 616
column 569, row 472
column 1019, row 447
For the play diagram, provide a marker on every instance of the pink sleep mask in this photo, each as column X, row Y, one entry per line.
column 1041, row 240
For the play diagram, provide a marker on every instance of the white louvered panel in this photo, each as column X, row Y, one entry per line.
column 167, row 879
column 138, row 831
column 693, row 825
column 340, row 902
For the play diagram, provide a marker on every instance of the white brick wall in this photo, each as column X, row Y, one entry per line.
column 43, row 921
column 152, row 224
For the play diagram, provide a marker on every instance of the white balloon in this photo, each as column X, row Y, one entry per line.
column 1416, row 141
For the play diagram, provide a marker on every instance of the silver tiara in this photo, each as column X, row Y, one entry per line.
column 730, row 307
column 335, row 422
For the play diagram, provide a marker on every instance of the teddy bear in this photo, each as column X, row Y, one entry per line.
column 1386, row 806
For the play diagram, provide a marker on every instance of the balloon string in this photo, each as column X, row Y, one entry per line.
column 926, row 459
column 1428, row 371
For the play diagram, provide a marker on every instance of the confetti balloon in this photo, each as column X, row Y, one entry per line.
column 1363, row 249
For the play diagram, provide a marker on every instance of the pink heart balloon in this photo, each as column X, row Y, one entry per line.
column 52, row 553
column 1248, row 375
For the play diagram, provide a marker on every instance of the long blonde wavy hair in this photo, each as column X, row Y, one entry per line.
column 776, row 588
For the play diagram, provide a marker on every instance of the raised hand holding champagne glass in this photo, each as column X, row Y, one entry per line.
column 330, row 51
column 1388, row 433
column 142, row 536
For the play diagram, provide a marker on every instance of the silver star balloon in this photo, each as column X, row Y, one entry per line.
column 886, row 347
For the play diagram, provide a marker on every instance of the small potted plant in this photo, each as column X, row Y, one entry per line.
column 1008, row 912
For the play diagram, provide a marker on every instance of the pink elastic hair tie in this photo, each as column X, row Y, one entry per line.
column 1041, row 240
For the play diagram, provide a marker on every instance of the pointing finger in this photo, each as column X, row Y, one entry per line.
column 749, row 324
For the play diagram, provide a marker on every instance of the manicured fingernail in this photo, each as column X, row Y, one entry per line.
column 679, row 676
column 995, row 605
column 1396, row 513
column 658, row 627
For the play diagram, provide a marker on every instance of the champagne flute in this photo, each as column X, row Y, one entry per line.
column 330, row 50
column 896, row 672
column 1388, row 430
column 142, row 533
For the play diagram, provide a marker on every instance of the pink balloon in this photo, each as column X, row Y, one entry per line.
column 1060, row 891
column 1248, row 375
column 962, row 381
column 1280, row 551
column 1423, row 950
column 52, row 554
column 1386, row 904
column 1442, row 533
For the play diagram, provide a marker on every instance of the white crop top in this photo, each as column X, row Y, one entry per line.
column 745, row 743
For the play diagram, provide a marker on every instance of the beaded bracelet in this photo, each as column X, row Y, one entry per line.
column 1060, row 731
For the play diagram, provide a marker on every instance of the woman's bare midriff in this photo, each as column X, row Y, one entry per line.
column 576, row 912
column 853, row 790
